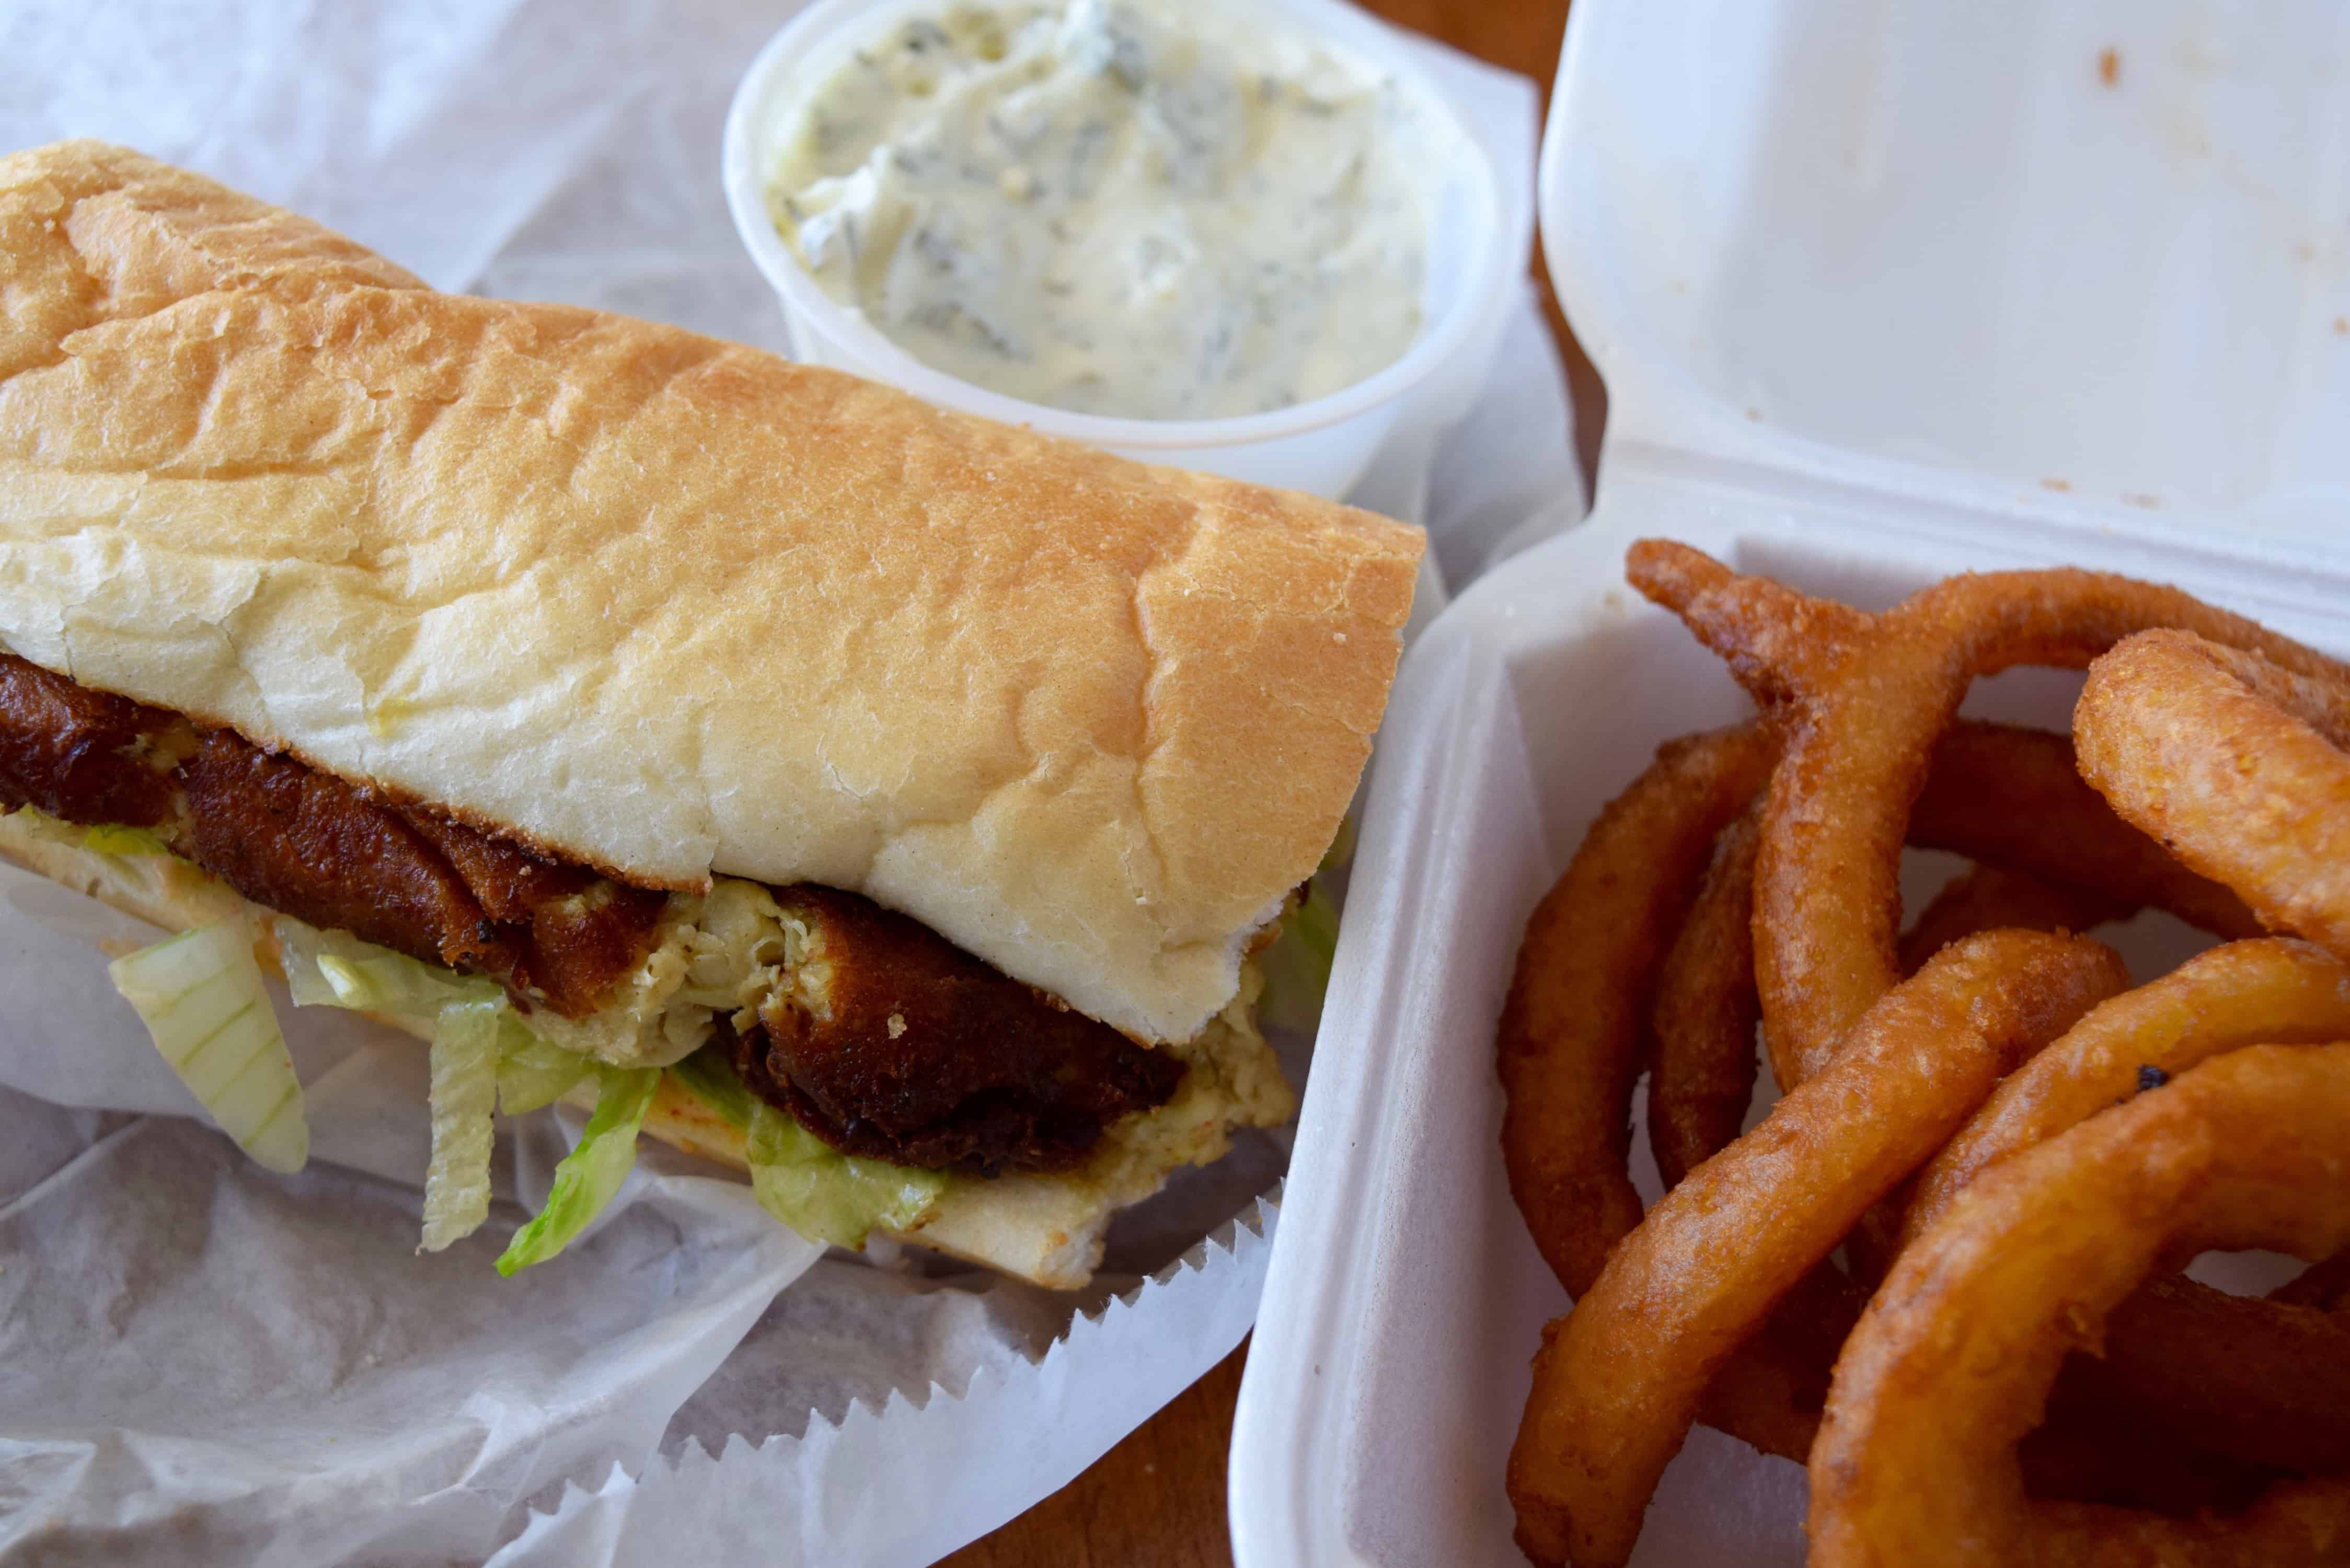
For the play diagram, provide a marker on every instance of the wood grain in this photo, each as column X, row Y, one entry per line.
column 1157, row 1500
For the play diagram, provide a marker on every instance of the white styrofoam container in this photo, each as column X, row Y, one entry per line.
column 1481, row 237
column 1880, row 293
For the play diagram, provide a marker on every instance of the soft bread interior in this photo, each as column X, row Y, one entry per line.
column 1045, row 1228
column 672, row 606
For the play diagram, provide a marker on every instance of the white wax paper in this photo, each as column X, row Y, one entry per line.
column 202, row 1363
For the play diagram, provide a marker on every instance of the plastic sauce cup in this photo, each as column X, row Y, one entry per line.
column 1322, row 446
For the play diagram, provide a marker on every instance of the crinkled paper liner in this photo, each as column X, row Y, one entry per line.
column 912, row 1480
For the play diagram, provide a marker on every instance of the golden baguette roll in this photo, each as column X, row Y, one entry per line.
column 670, row 606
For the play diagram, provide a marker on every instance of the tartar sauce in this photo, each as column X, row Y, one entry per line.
column 1151, row 209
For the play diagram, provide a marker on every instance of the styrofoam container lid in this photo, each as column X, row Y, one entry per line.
column 2087, row 261
column 1881, row 294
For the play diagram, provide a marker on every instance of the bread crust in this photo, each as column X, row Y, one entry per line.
column 672, row 606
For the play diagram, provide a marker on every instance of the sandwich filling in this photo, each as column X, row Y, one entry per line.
column 873, row 1032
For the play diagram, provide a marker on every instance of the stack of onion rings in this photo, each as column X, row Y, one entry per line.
column 1951, row 1364
column 2268, row 1380
column 1772, row 895
column 1618, row 1385
column 1570, row 1030
column 1867, row 710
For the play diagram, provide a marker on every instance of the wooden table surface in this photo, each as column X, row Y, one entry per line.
column 1157, row 1500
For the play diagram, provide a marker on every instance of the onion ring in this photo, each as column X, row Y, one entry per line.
column 1772, row 1390
column 1996, row 793
column 2326, row 1286
column 2270, row 991
column 1779, row 643
column 1867, row 710
column 1771, row 1393
column 1570, row 1038
column 2263, row 1380
column 2014, row 797
column 1569, row 1041
column 1984, row 897
column 1570, row 1053
column 1952, row 1364
column 1702, row 1065
column 1570, row 1047
column 1620, row 1380
column 1701, row 1059
column 2257, row 1379
column 2168, row 728
column 1702, row 1069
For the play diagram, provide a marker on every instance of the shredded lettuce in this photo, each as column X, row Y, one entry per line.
column 827, row 1196
column 465, row 1053
column 485, row 1059
column 712, row 1080
column 1297, row 967
column 592, row 1172
column 329, row 969
column 531, row 1072
column 1341, row 852
column 106, row 839
column 202, row 999
column 799, row 1179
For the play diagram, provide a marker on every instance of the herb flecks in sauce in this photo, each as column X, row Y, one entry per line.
column 1151, row 210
